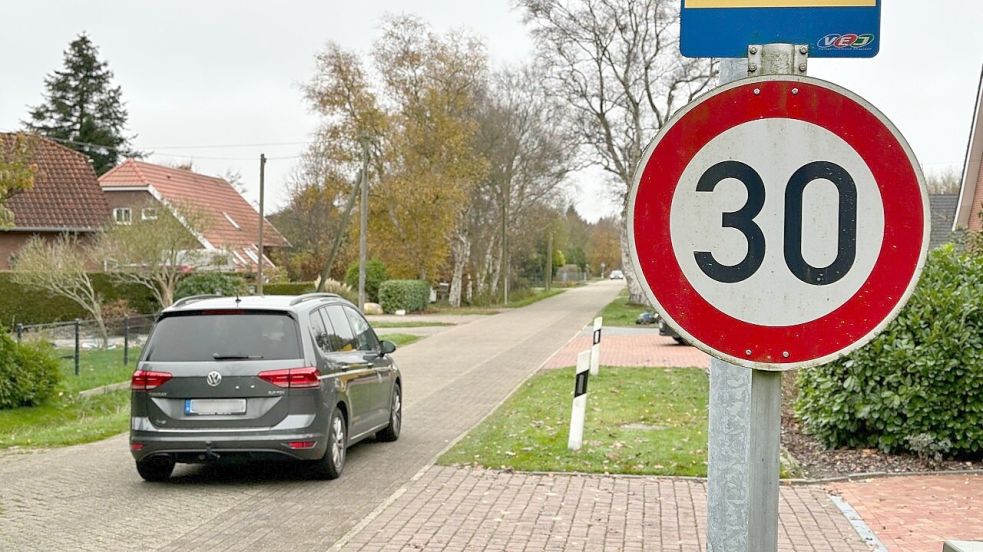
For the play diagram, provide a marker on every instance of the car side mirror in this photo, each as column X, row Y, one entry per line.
column 388, row 347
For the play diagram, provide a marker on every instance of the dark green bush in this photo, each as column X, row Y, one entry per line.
column 28, row 372
column 919, row 385
column 29, row 305
column 409, row 295
column 288, row 288
column 375, row 274
column 203, row 283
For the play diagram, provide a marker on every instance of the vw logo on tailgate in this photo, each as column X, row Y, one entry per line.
column 213, row 378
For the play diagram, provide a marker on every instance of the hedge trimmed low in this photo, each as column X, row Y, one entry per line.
column 29, row 305
column 28, row 372
column 919, row 385
column 408, row 295
column 288, row 288
column 204, row 283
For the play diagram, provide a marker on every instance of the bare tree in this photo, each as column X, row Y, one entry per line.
column 944, row 182
column 60, row 266
column 153, row 252
column 530, row 152
column 616, row 63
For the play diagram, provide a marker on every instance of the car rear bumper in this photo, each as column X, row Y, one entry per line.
column 208, row 445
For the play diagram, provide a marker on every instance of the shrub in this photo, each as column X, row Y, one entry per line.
column 409, row 295
column 919, row 385
column 375, row 274
column 288, row 288
column 28, row 372
column 43, row 307
column 334, row 286
column 205, row 283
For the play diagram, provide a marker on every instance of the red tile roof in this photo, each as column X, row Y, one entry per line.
column 66, row 193
column 215, row 198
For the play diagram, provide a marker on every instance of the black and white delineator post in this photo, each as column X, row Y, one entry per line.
column 579, row 410
column 595, row 349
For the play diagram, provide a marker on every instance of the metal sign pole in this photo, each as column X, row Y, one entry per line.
column 745, row 406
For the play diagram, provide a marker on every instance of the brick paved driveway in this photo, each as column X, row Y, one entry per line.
column 918, row 513
column 463, row 509
column 636, row 348
column 90, row 498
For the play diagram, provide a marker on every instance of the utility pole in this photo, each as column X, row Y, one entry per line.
column 505, row 245
column 259, row 256
column 363, row 228
column 549, row 260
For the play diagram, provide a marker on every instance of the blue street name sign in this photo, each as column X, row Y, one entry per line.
column 831, row 28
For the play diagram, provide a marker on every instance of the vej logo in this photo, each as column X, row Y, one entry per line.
column 848, row 40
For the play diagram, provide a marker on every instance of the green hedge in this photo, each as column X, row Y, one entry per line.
column 29, row 305
column 409, row 295
column 202, row 283
column 919, row 385
column 28, row 372
column 375, row 274
column 288, row 288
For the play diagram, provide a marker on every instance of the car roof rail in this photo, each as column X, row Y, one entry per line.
column 310, row 296
column 193, row 298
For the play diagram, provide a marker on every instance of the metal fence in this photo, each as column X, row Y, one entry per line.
column 125, row 334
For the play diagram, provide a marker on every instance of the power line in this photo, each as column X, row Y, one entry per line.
column 186, row 155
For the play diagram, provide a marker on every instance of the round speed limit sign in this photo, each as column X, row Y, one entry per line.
column 778, row 222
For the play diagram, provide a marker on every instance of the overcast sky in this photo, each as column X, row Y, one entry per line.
column 202, row 73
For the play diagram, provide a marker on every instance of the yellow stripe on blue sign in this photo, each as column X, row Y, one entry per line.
column 778, row 3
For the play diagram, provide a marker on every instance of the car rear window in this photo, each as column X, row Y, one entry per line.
column 223, row 335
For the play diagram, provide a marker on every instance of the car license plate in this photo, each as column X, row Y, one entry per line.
column 214, row 407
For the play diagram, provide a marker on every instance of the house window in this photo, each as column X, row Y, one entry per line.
column 148, row 213
column 232, row 221
column 122, row 215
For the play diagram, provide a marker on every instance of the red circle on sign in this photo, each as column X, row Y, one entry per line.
column 847, row 327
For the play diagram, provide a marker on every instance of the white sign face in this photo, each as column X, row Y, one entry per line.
column 778, row 222
column 772, row 295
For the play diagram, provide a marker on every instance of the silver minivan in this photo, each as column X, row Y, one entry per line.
column 261, row 378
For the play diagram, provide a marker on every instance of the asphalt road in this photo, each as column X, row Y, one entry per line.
column 89, row 497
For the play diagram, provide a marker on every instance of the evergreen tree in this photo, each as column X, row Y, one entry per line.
column 82, row 109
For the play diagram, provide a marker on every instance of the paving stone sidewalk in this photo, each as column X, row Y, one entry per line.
column 464, row 509
column 918, row 513
column 633, row 350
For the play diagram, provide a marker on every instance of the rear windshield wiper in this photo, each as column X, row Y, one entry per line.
column 218, row 356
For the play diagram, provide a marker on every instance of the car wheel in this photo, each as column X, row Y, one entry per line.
column 157, row 468
column 391, row 432
column 333, row 462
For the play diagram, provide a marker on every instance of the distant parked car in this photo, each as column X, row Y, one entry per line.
column 646, row 318
column 264, row 378
column 666, row 330
column 617, row 275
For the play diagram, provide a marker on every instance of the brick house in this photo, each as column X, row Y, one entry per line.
column 969, row 213
column 137, row 190
column 65, row 198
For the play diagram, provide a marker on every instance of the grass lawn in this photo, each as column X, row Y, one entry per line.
column 401, row 340
column 521, row 299
column 620, row 312
column 537, row 295
column 70, row 421
column 639, row 421
column 411, row 324
column 96, row 368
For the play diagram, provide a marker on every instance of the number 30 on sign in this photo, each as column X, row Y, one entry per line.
column 778, row 222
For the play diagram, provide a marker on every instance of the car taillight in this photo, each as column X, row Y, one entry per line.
column 293, row 378
column 145, row 380
column 301, row 445
column 136, row 447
